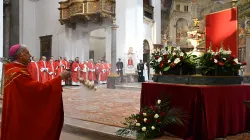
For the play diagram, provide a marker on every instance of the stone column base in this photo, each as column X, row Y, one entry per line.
column 113, row 79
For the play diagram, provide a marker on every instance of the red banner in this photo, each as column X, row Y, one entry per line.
column 222, row 27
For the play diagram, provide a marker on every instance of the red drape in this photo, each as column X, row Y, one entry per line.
column 213, row 111
column 222, row 26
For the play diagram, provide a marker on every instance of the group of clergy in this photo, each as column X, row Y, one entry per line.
column 43, row 70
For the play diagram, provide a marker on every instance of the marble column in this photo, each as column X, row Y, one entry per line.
column 247, row 71
column 108, row 45
column 6, row 23
column 113, row 48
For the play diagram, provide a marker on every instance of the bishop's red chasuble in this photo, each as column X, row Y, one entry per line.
column 31, row 110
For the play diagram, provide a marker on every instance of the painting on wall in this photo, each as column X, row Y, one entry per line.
column 181, row 32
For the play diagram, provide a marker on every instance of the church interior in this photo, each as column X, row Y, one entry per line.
column 126, row 57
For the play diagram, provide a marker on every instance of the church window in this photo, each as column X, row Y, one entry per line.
column 186, row 8
column 178, row 7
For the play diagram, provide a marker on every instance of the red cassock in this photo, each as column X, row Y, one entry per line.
column 31, row 110
column 75, row 72
column 91, row 72
column 43, row 71
column 103, row 74
column 52, row 69
column 67, row 65
column 34, row 71
column 60, row 66
column 83, row 71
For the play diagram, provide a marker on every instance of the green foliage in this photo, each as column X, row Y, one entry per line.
column 149, row 123
column 221, row 61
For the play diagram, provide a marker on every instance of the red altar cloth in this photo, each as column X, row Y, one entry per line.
column 213, row 111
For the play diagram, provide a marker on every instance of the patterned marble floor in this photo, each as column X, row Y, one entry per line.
column 105, row 106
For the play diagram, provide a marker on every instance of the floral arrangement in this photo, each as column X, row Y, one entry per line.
column 170, row 58
column 221, row 62
column 151, row 121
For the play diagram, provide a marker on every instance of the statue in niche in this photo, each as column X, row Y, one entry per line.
column 130, row 58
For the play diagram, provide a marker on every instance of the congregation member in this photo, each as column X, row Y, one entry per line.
column 52, row 68
column 31, row 110
column 75, row 72
column 33, row 69
column 43, row 69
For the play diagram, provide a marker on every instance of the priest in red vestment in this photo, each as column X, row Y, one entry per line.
column 103, row 73
column 83, row 69
column 75, row 72
column 33, row 69
column 67, row 67
column 43, row 69
column 52, row 68
column 91, row 70
column 31, row 110
column 61, row 66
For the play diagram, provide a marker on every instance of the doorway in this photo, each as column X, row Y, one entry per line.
column 45, row 46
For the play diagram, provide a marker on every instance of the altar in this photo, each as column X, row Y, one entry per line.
column 212, row 111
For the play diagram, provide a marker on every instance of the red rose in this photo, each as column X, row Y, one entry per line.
column 157, row 57
column 221, row 63
column 162, row 114
column 165, row 57
column 172, row 65
column 234, row 63
column 138, row 119
column 216, row 57
column 148, row 121
column 155, row 108
column 232, row 57
column 158, row 121
column 151, row 107
column 181, row 58
column 161, row 64
column 243, row 63
column 175, row 56
column 212, row 59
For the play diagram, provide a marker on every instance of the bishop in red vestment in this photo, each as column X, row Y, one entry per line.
column 33, row 69
column 43, row 70
column 31, row 110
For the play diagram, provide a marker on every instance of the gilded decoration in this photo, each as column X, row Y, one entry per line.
column 73, row 11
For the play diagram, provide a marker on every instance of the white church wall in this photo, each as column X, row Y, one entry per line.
column 157, row 17
column 1, row 37
column 27, row 26
column 40, row 18
column 98, row 46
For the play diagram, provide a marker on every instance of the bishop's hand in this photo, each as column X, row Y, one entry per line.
column 65, row 74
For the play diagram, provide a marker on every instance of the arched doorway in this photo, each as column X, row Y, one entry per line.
column 181, row 32
column 146, row 54
column 97, row 43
